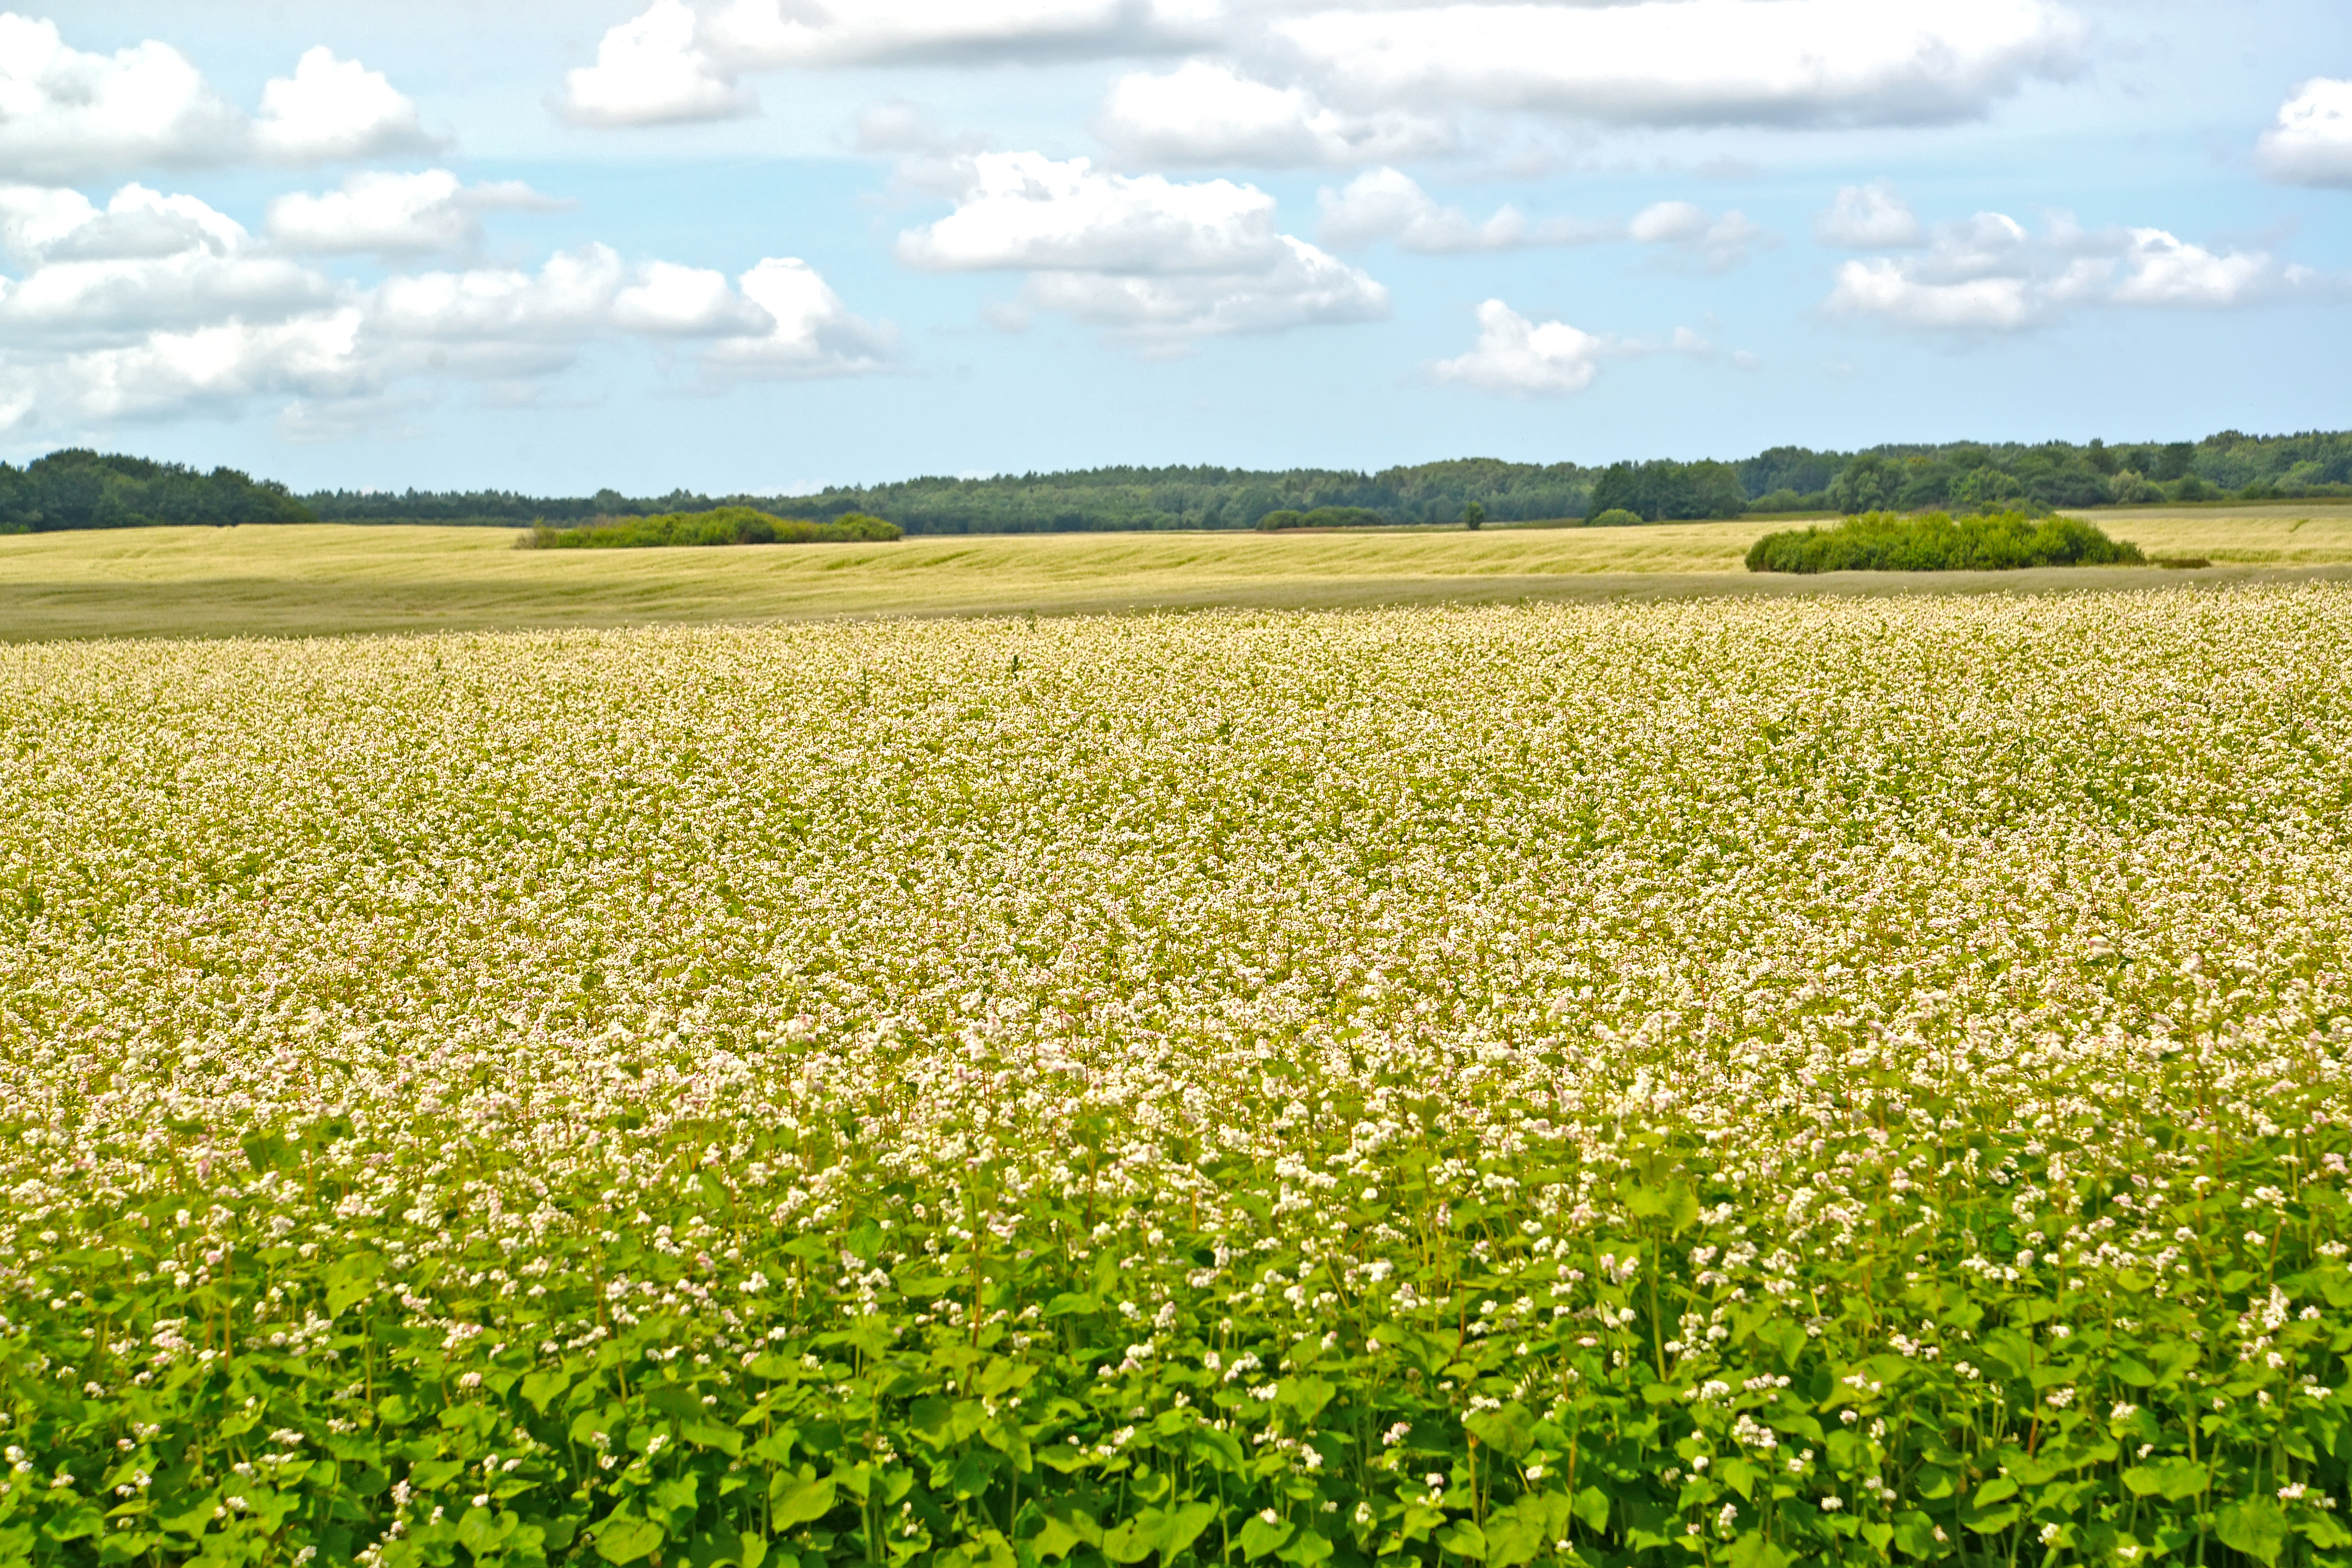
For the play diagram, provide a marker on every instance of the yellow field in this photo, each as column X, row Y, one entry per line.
column 338, row 579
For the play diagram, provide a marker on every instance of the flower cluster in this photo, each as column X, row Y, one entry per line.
column 1850, row 1080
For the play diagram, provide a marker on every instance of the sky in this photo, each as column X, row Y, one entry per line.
column 767, row 245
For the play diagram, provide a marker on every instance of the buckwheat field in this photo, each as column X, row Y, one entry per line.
column 1722, row 1084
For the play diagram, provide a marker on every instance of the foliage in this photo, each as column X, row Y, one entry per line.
column 1717, row 1084
column 1474, row 516
column 1664, row 490
column 1615, row 517
column 1321, row 516
column 725, row 525
column 1884, row 542
column 79, row 489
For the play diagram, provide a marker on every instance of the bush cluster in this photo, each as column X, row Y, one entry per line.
column 1883, row 542
column 1323, row 517
column 727, row 525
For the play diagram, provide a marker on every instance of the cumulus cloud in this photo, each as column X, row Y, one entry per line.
column 65, row 114
column 673, row 63
column 653, row 70
column 392, row 214
column 330, row 109
column 1524, row 358
column 1335, row 82
column 1869, row 218
column 157, row 303
column 1719, row 242
column 1387, row 203
column 1991, row 274
column 1149, row 258
column 810, row 332
column 2310, row 143
column 1691, row 62
column 68, row 115
column 1205, row 114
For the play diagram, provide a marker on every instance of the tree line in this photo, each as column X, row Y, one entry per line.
column 83, row 489
column 79, row 489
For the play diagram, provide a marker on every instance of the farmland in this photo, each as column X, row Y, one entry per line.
column 313, row 579
column 1736, row 1082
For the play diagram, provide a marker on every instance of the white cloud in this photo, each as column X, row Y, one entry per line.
column 884, row 32
column 1147, row 257
column 673, row 63
column 1387, row 203
column 1204, row 114
column 652, row 70
column 331, row 110
column 390, row 214
column 1869, row 218
column 809, row 332
column 2310, row 143
column 146, row 262
column 1989, row 274
column 1691, row 62
column 156, row 304
column 1024, row 211
column 1525, row 358
column 65, row 114
column 2162, row 270
column 68, row 115
column 1721, row 242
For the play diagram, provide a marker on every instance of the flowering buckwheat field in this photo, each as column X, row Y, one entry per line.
column 1720, row 1084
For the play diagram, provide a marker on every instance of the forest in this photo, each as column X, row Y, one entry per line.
column 79, row 489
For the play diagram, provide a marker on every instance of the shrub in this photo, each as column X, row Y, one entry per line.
column 725, row 525
column 1615, row 517
column 1473, row 516
column 1882, row 541
column 1321, row 516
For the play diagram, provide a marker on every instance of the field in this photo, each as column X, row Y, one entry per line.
column 306, row 581
column 1734, row 1083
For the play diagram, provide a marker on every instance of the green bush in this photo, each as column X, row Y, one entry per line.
column 1883, row 542
column 1615, row 517
column 727, row 525
column 1322, row 517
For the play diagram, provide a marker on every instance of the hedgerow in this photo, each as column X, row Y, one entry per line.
column 1887, row 542
column 725, row 525
column 1726, row 1084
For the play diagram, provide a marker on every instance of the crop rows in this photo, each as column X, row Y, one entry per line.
column 1718, row 1085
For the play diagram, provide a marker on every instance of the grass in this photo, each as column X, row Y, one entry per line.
column 331, row 579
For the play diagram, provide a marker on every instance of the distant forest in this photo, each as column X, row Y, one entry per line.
column 77, row 489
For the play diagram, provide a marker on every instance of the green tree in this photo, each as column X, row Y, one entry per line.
column 1474, row 516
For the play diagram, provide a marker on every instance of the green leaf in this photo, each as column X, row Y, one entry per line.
column 1179, row 1527
column 1755, row 1552
column 481, row 1530
column 540, row 1387
column 1463, row 1539
column 799, row 1499
column 2256, row 1527
column 351, row 1277
column 1261, row 1536
column 1510, row 1430
column 1914, row 1536
column 430, row 1474
column 621, row 1539
column 1308, row 1548
column 1515, row 1535
column 2001, row 1489
column 2174, row 1479
column 1592, row 1509
column 1307, row 1395
column 1055, row 1540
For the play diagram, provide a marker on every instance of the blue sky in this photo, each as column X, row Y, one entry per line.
column 767, row 245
